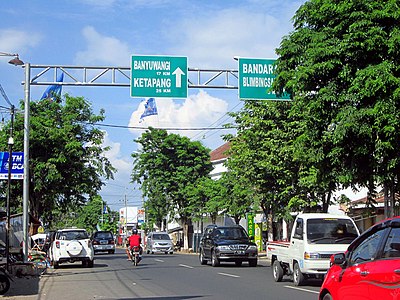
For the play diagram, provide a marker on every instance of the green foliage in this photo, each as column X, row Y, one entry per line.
column 341, row 65
column 67, row 161
column 168, row 168
column 236, row 197
column 261, row 163
column 89, row 216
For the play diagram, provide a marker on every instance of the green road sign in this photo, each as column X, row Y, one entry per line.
column 255, row 79
column 159, row 76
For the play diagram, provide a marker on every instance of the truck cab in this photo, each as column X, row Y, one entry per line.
column 313, row 240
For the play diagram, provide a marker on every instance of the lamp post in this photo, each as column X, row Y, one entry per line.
column 17, row 62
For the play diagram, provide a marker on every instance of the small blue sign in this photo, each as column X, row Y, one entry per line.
column 17, row 170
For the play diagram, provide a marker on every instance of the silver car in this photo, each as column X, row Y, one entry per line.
column 159, row 242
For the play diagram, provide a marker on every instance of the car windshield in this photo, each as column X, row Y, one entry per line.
column 160, row 236
column 230, row 233
column 103, row 235
column 331, row 231
column 73, row 235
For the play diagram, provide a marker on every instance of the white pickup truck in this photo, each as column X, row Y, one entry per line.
column 314, row 238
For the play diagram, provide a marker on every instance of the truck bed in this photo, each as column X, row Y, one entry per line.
column 277, row 248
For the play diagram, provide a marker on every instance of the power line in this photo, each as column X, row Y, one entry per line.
column 165, row 128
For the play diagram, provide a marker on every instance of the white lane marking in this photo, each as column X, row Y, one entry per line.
column 300, row 289
column 229, row 275
column 159, row 260
column 186, row 266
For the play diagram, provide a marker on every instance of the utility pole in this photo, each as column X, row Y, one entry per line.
column 10, row 165
column 126, row 217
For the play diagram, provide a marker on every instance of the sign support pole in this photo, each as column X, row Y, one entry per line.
column 25, row 200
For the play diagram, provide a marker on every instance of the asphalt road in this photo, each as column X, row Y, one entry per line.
column 159, row 276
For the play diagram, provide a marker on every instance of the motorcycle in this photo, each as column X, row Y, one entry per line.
column 135, row 255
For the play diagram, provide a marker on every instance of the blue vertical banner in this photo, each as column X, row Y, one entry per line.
column 17, row 166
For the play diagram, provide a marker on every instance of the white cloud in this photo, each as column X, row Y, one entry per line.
column 213, row 40
column 122, row 164
column 101, row 49
column 16, row 41
column 198, row 110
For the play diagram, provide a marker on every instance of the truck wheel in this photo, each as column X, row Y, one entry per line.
column 298, row 277
column 277, row 271
column 55, row 264
column 214, row 259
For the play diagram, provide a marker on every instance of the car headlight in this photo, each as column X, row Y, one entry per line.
column 253, row 248
column 311, row 255
column 223, row 248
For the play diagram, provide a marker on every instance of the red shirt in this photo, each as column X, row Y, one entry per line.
column 135, row 240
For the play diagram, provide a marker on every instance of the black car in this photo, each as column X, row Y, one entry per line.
column 103, row 241
column 227, row 244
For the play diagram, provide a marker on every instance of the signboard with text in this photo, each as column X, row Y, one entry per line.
column 256, row 76
column 17, row 170
column 250, row 225
column 159, row 76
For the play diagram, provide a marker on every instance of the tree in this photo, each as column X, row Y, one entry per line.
column 213, row 194
column 67, row 162
column 342, row 66
column 168, row 167
column 261, row 156
column 236, row 197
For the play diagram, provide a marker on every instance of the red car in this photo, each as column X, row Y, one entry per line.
column 370, row 269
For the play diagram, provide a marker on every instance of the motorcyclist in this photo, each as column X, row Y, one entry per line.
column 134, row 241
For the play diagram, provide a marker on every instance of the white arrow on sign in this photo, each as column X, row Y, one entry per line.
column 178, row 75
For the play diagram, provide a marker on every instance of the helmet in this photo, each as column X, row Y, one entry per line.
column 134, row 231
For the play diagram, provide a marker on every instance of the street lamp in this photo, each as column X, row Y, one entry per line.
column 15, row 61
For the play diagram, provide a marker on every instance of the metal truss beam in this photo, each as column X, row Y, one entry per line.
column 121, row 76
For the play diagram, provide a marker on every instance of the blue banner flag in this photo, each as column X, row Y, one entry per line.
column 54, row 90
column 150, row 108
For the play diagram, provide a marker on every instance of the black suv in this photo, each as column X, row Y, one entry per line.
column 227, row 243
column 103, row 241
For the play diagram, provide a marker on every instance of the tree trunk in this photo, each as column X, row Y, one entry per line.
column 326, row 199
column 187, row 230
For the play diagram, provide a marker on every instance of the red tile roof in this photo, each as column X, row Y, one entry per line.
column 220, row 152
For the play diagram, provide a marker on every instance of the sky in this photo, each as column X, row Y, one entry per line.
column 210, row 33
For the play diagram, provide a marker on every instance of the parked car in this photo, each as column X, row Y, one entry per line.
column 370, row 269
column 71, row 245
column 103, row 241
column 159, row 242
column 227, row 244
